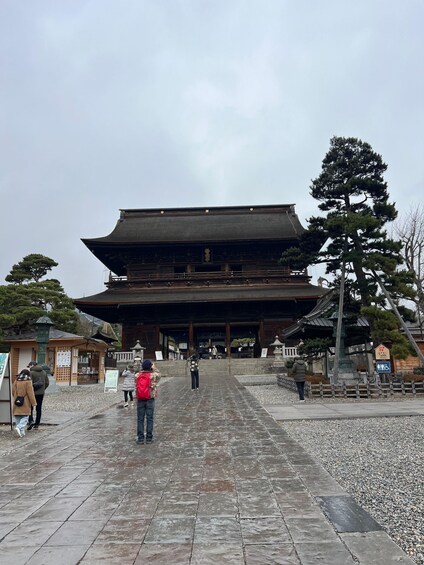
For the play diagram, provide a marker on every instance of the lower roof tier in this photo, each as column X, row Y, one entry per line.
column 200, row 305
column 139, row 296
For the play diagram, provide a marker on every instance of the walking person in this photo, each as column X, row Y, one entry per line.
column 146, row 385
column 299, row 375
column 193, row 363
column 128, row 386
column 40, row 381
column 24, row 400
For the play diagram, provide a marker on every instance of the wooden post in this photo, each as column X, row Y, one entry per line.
column 190, row 338
column 228, row 339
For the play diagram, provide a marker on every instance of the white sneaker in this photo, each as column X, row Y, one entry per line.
column 126, row 405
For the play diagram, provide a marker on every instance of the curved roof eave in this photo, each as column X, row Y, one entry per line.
column 199, row 225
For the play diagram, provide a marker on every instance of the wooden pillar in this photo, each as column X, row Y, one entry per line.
column 228, row 338
column 262, row 334
column 190, row 338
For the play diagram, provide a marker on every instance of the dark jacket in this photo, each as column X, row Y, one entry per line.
column 299, row 370
column 40, row 380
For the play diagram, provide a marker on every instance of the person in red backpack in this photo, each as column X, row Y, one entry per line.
column 146, row 386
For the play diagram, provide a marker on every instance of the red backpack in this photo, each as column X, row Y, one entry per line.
column 143, row 385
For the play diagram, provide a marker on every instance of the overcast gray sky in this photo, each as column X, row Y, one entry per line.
column 141, row 104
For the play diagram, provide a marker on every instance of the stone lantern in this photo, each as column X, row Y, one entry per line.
column 278, row 348
column 43, row 326
column 138, row 354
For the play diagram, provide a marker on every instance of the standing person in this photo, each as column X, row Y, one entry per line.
column 147, row 390
column 214, row 352
column 40, row 381
column 299, row 375
column 128, row 385
column 23, row 388
column 193, row 363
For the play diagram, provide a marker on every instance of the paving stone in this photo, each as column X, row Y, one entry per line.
column 112, row 554
column 264, row 531
column 158, row 554
column 217, row 530
column 217, row 554
column 375, row 548
column 55, row 555
column 217, row 504
column 277, row 554
column 254, row 505
column 178, row 505
column 12, row 555
column 74, row 532
column 123, row 530
column 170, row 530
column 310, row 528
column 37, row 532
column 94, row 509
column 27, row 507
column 326, row 553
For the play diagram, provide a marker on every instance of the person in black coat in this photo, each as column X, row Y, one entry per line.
column 40, row 381
column 193, row 363
column 299, row 375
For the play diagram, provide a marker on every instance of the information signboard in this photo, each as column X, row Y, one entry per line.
column 383, row 367
column 382, row 352
column 5, row 390
column 111, row 380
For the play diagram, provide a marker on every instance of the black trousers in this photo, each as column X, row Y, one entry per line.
column 301, row 390
column 194, row 379
column 128, row 393
column 38, row 409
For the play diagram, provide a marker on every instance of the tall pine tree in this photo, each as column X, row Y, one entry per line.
column 352, row 191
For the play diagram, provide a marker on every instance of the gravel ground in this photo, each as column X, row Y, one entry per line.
column 378, row 461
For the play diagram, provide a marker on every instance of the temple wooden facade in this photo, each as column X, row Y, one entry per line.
column 185, row 279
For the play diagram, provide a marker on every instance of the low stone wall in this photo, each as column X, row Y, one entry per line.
column 288, row 382
column 354, row 391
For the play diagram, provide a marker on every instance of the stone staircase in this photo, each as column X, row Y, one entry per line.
column 218, row 367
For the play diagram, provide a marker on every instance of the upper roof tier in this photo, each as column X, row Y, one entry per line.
column 202, row 225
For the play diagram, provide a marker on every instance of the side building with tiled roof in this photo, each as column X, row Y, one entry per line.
column 185, row 279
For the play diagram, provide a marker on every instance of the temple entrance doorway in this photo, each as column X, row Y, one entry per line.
column 210, row 342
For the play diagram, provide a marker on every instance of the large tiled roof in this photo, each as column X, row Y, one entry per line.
column 205, row 225
column 123, row 296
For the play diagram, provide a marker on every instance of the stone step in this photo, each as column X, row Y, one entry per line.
column 218, row 367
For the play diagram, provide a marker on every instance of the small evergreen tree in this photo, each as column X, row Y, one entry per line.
column 28, row 297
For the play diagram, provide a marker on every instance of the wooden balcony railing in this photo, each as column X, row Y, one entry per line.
column 213, row 277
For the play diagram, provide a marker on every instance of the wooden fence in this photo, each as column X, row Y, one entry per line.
column 359, row 390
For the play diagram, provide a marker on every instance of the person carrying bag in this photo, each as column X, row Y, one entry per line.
column 24, row 400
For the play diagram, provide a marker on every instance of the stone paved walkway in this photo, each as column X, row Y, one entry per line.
column 223, row 483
